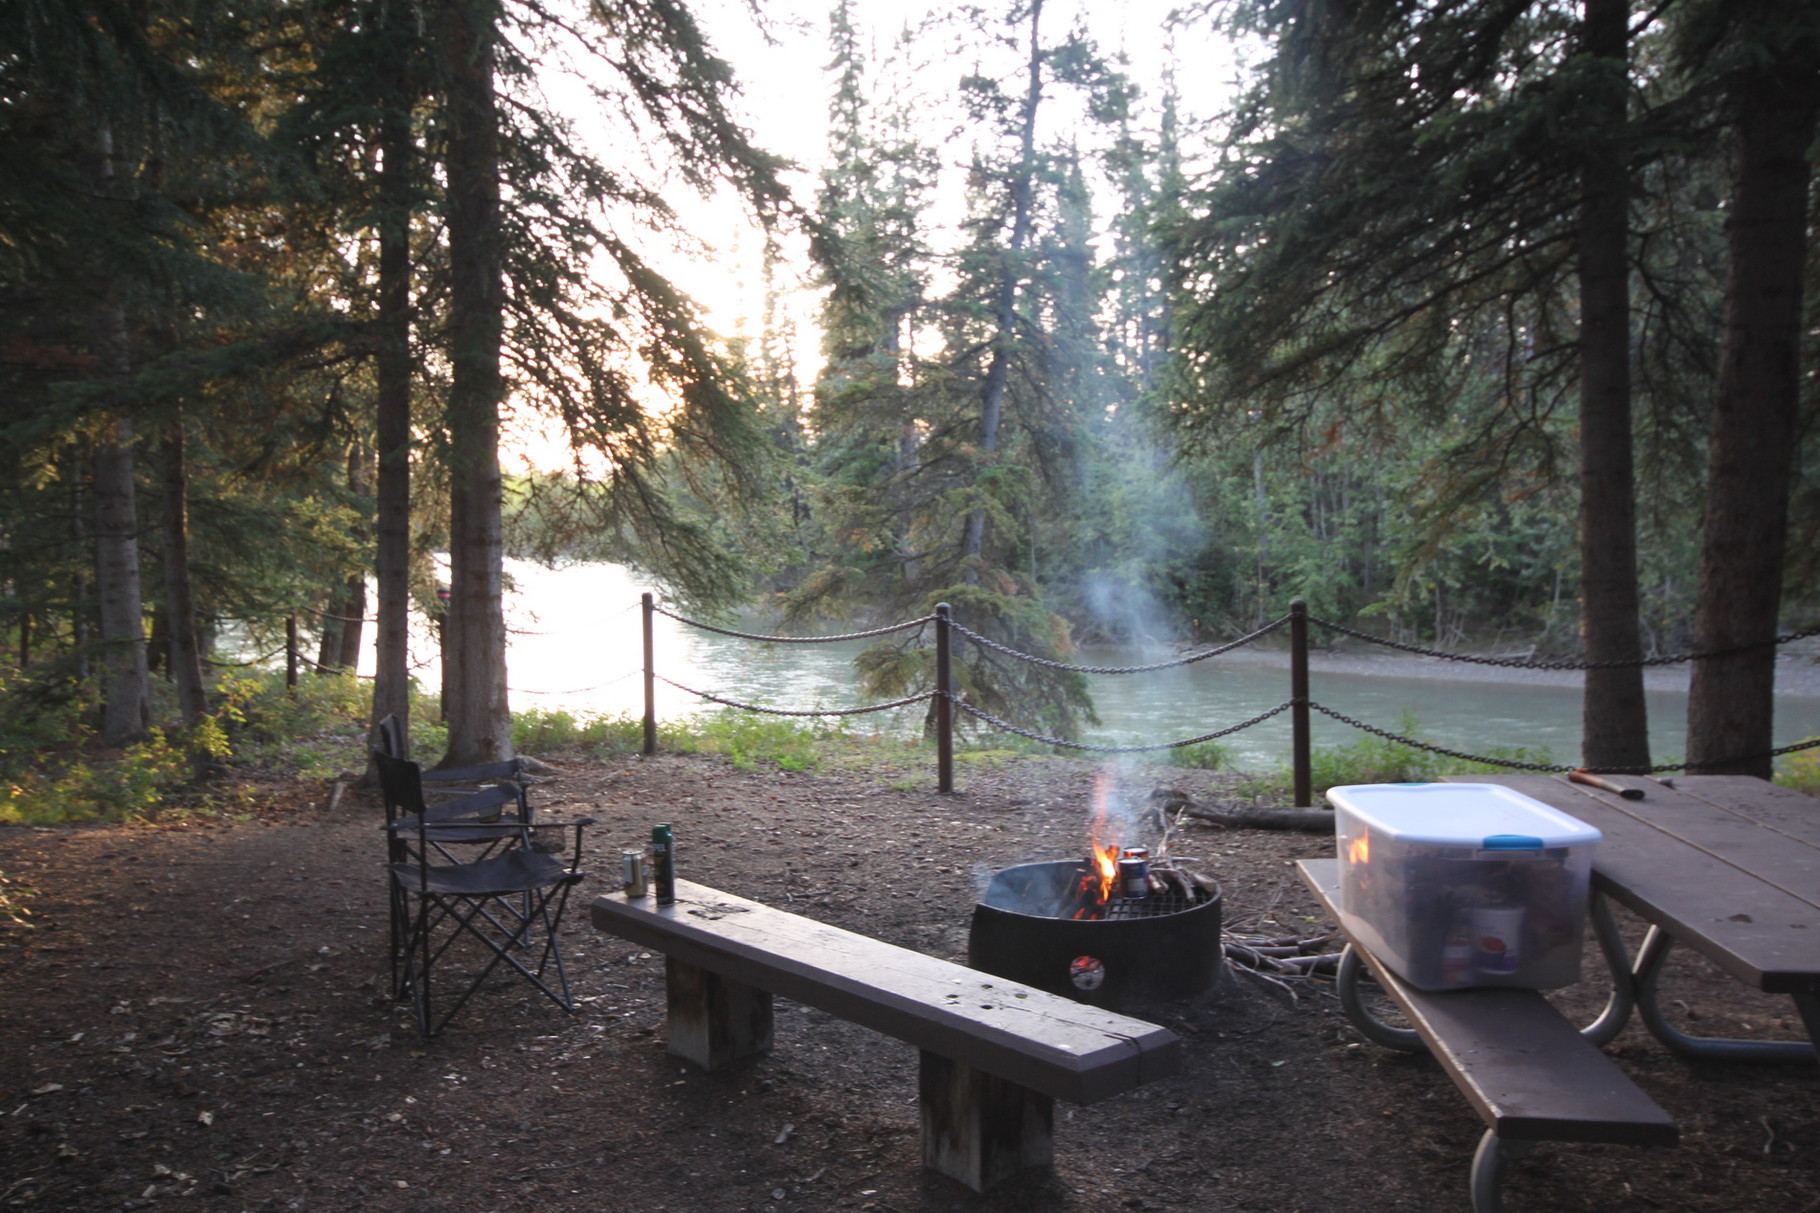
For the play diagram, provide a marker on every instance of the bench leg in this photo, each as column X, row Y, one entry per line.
column 714, row 1022
column 979, row 1128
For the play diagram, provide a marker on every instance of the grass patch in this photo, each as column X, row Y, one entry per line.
column 1800, row 770
column 1374, row 759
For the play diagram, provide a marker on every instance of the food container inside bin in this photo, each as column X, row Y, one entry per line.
column 1454, row 885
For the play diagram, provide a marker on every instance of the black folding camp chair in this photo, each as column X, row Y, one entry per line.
column 502, row 907
column 470, row 826
column 390, row 737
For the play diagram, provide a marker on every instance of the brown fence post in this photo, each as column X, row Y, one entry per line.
column 944, row 703
column 649, row 604
column 1298, row 698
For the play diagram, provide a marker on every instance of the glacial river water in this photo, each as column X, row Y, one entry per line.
column 575, row 645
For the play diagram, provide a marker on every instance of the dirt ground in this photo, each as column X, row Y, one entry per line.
column 197, row 1021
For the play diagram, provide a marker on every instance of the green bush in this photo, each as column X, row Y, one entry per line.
column 1800, row 770
column 544, row 731
column 1375, row 759
column 748, row 739
column 1201, row 756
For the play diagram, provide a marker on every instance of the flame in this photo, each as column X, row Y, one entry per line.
column 1359, row 850
column 1104, row 852
column 1099, row 882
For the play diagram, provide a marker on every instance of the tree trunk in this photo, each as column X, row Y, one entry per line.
column 127, row 710
column 474, row 645
column 184, row 651
column 392, row 374
column 342, row 626
column 1615, row 729
column 126, row 714
column 1731, row 705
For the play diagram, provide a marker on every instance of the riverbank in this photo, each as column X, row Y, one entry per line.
column 1797, row 668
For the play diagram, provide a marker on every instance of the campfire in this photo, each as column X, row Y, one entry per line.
column 1126, row 924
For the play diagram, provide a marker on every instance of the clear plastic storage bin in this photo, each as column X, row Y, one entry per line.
column 1463, row 884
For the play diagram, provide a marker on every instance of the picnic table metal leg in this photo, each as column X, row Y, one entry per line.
column 979, row 1128
column 1346, row 985
column 1489, row 1162
column 1603, row 1030
column 714, row 1021
column 1650, row 959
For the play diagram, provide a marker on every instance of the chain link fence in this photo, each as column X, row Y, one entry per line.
column 946, row 701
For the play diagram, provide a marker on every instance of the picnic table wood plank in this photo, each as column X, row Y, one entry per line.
column 1525, row 1069
column 1727, row 834
column 1794, row 815
column 1760, row 934
column 1042, row 1041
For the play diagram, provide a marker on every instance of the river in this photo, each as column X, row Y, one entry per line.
column 575, row 646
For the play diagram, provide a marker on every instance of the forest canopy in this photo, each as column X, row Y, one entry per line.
column 1468, row 322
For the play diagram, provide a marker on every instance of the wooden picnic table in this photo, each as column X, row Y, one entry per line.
column 1727, row 865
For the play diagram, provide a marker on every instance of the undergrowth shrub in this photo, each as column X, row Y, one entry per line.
column 1800, row 770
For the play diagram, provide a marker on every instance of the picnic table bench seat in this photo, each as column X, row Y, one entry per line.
column 1529, row 1073
column 994, row 1054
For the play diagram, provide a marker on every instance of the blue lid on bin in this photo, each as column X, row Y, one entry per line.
column 1486, row 816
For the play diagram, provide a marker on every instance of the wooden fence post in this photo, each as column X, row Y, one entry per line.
column 649, row 603
column 1298, row 698
column 944, row 703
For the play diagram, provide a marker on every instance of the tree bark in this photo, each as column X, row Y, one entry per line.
column 1731, row 705
column 474, row 645
column 392, row 373
column 126, row 714
column 184, row 651
column 1615, row 728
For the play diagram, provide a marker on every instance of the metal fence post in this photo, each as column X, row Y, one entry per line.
column 1298, row 698
column 944, row 702
column 649, row 605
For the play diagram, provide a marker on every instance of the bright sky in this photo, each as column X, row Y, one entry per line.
column 786, row 90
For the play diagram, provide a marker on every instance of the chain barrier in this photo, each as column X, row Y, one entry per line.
column 1515, row 765
column 1008, row 727
column 601, row 686
column 753, row 707
column 1526, row 663
column 986, row 643
column 708, row 627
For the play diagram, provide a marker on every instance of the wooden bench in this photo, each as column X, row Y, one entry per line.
column 995, row 1054
column 1528, row 1072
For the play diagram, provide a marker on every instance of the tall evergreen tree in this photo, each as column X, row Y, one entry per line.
column 1764, row 59
column 1412, row 196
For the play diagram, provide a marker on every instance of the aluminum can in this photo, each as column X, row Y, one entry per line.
column 632, row 871
column 1134, row 872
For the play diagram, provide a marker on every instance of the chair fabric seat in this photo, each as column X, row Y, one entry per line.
column 496, row 876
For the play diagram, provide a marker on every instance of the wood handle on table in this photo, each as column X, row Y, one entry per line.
column 1582, row 775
